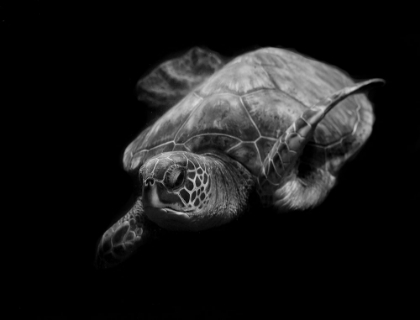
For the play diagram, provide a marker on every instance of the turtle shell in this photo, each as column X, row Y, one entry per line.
column 243, row 108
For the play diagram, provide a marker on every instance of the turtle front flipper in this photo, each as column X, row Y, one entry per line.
column 124, row 237
column 293, row 192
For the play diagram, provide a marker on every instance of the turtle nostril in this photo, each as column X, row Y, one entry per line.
column 150, row 182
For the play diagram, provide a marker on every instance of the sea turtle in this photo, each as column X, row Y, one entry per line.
column 270, row 120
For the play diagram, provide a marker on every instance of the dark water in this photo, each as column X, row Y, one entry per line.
column 347, row 253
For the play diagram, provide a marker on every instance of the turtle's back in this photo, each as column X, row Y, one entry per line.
column 273, row 76
column 243, row 108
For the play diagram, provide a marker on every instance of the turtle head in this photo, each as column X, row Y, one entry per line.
column 176, row 188
column 180, row 191
column 186, row 191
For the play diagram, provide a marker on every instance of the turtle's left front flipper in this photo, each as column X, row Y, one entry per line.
column 124, row 237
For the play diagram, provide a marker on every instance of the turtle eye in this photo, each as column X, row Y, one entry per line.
column 175, row 178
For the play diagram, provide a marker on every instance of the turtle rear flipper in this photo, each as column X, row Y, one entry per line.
column 124, row 237
column 174, row 79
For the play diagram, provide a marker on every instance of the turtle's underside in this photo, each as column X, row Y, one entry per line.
column 269, row 120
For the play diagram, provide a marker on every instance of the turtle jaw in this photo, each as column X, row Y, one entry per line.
column 163, row 214
column 169, row 219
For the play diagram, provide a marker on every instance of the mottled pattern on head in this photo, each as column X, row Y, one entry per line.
column 193, row 193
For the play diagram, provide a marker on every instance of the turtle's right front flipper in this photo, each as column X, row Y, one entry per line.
column 124, row 237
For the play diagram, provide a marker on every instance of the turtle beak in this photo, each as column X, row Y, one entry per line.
column 158, row 212
column 149, row 194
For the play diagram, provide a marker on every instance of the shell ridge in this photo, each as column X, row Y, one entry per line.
column 250, row 117
column 258, row 129
column 188, row 118
column 158, row 146
column 214, row 134
column 257, row 91
column 233, row 147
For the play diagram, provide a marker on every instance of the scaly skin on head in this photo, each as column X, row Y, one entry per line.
column 181, row 191
column 186, row 191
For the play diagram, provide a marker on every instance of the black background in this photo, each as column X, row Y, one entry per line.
column 74, row 71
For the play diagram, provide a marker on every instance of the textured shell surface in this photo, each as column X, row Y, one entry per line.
column 244, row 107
